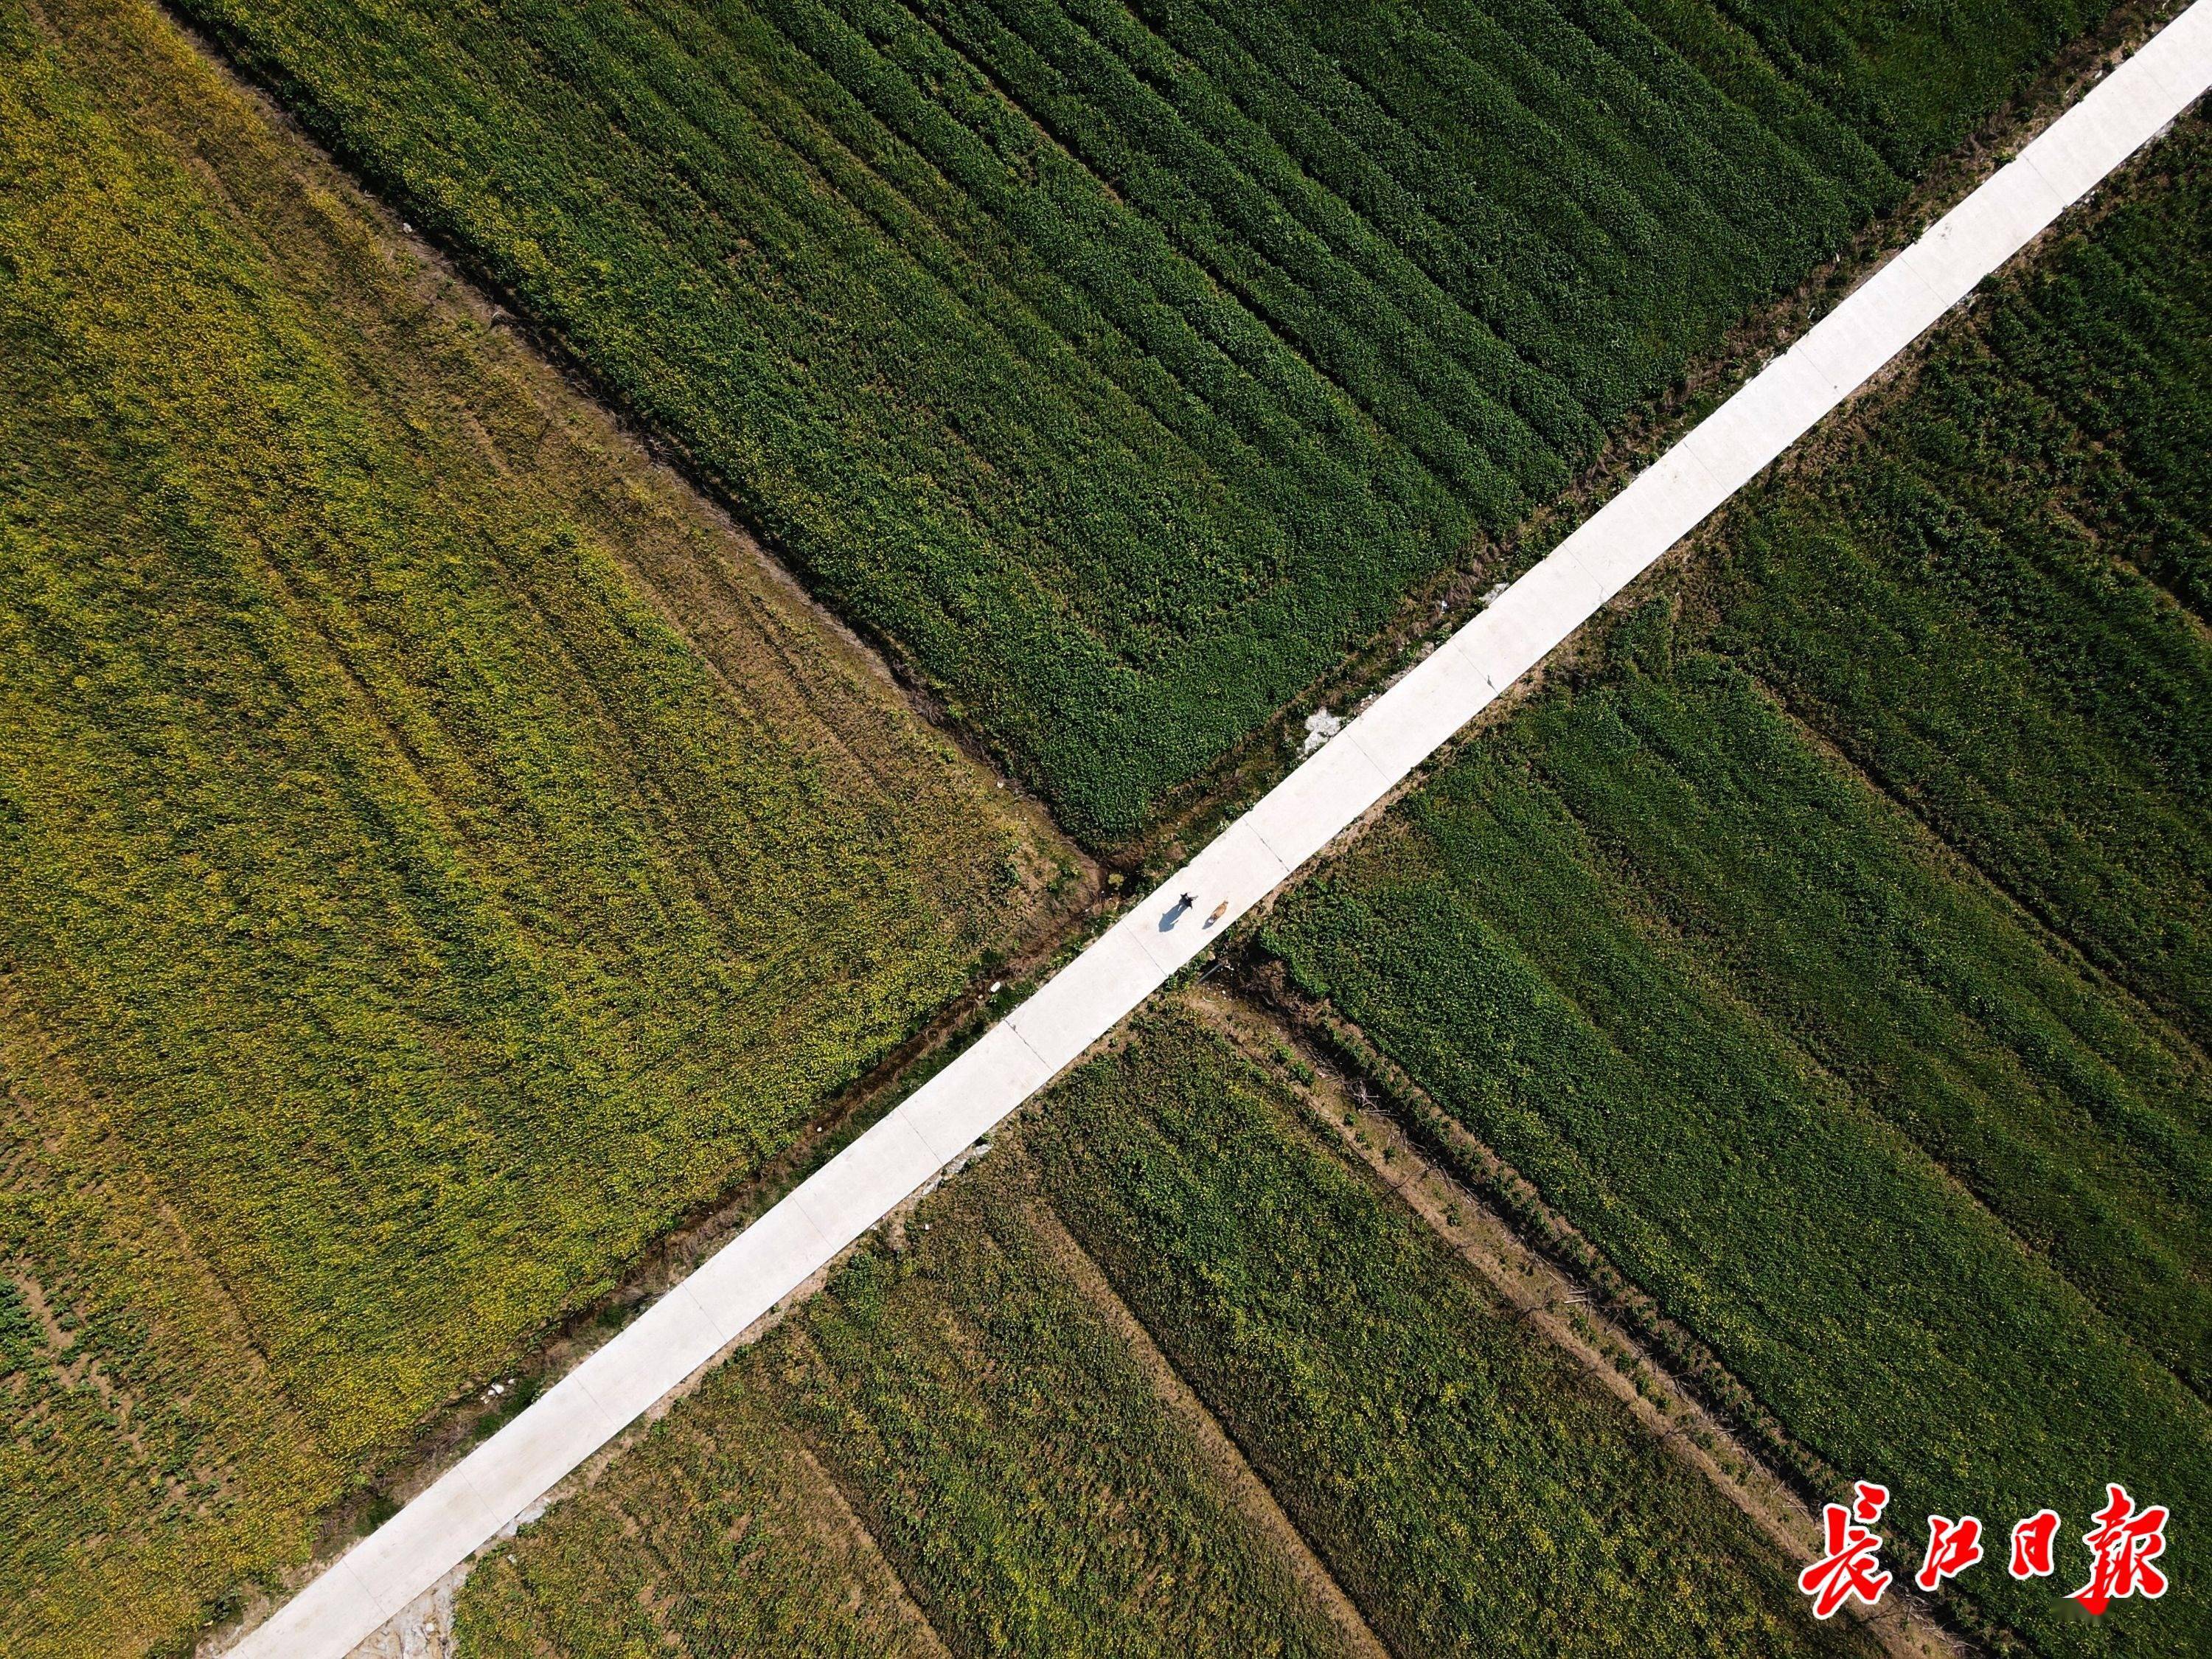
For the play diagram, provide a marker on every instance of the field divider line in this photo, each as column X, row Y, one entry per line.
column 680, row 1333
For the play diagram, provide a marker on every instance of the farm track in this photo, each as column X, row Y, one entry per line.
column 1347, row 779
column 1691, row 973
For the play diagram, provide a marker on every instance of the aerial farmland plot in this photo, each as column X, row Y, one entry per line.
column 582, row 582
column 1042, row 1408
column 1068, row 348
column 404, row 925
column 1854, row 1022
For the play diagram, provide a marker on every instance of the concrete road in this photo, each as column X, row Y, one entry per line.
column 762, row 1265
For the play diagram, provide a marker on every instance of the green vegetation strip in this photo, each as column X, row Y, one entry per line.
column 993, row 1435
column 1467, row 1487
column 1977, row 603
column 1775, row 1032
column 1124, row 363
column 402, row 924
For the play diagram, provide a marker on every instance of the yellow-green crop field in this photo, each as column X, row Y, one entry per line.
column 403, row 920
column 1021, row 1406
column 1830, row 948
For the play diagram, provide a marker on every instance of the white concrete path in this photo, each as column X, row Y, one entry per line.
column 1255, row 855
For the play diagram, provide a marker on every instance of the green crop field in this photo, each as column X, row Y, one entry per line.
column 438, row 854
column 401, row 924
column 1001, row 1437
column 1123, row 363
column 1829, row 948
column 1980, row 610
column 996, row 1441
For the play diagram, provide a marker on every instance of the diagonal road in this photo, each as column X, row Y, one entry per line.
column 684, row 1330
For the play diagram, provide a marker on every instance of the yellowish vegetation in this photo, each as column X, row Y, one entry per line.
column 405, row 920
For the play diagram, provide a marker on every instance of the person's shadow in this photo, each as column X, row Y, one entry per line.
column 1175, row 913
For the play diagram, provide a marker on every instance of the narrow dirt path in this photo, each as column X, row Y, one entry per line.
column 1223, row 1458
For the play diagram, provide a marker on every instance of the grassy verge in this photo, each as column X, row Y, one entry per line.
column 420, row 921
column 1067, row 344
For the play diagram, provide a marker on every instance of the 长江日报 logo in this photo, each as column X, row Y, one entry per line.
column 2123, row 1543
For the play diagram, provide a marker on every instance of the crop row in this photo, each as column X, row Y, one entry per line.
column 1898, row 76
column 1120, row 365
